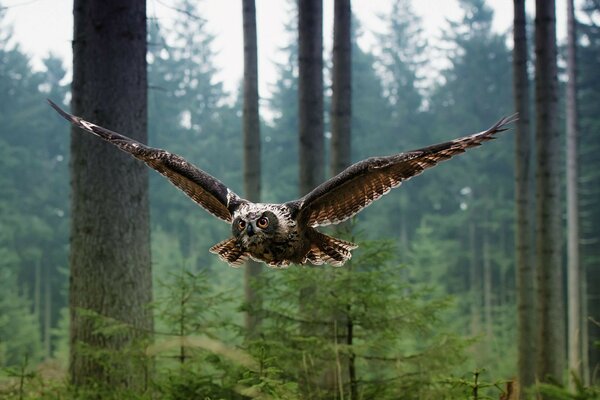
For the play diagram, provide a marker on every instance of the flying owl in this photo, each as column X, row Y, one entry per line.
column 280, row 234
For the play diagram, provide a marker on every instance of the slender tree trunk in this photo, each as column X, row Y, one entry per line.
column 574, row 274
column 252, row 163
column 341, row 135
column 551, row 318
column 110, row 246
column 525, row 266
column 341, row 100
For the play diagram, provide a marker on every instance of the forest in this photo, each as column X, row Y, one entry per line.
column 478, row 279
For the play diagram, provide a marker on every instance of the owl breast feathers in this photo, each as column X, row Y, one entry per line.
column 281, row 234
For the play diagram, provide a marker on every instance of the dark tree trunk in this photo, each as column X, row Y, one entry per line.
column 341, row 99
column 551, row 318
column 525, row 267
column 110, row 247
column 310, row 123
column 252, row 163
column 310, row 92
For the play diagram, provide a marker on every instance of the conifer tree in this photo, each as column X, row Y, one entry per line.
column 110, row 246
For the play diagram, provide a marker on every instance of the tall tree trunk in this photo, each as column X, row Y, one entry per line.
column 110, row 246
column 551, row 318
column 574, row 274
column 341, row 99
column 341, row 135
column 252, row 163
column 525, row 266
column 310, row 121
column 310, row 92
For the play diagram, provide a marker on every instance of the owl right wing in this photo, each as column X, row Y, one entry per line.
column 200, row 186
column 353, row 189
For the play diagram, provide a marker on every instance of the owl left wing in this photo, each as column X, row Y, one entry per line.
column 353, row 189
column 200, row 186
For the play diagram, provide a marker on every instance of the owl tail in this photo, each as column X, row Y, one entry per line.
column 229, row 251
column 330, row 250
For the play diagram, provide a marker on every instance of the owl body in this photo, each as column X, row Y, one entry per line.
column 268, row 233
column 280, row 234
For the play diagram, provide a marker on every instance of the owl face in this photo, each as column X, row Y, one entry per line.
column 255, row 227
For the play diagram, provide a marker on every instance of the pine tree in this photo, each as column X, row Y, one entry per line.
column 523, row 240
column 551, row 318
column 110, row 232
column 252, row 161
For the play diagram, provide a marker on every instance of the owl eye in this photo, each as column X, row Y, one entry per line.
column 262, row 222
column 241, row 224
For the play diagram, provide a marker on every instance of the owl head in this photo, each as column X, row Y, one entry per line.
column 255, row 227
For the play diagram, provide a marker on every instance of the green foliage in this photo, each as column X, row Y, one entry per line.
column 19, row 329
column 558, row 392
column 389, row 333
column 476, row 388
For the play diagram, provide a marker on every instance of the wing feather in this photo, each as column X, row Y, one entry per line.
column 200, row 186
column 347, row 193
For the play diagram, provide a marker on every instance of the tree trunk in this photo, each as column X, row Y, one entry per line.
column 341, row 117
column 551, row 318
column 310, row 122
column 341, row 99
column 110, row 246
column 310, row 92
column 574, row 274
column 525, row 267
column 252, row 162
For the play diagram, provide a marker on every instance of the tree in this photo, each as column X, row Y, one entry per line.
column 551, row 318
column 340, row 158
column 341, row 101
column 524, row 262
column 110, row 247
column 574, row 275
column 310, row 94
column 252, row 161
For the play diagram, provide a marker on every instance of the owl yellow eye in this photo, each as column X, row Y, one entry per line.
column 241, row 224
column 262, row 222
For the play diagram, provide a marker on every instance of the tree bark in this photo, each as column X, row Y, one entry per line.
column 310, row 92
column 574, row 275
column 341, row 99
column 551, row 318
column 252, row 161
column 310, row 123
column 341, row 135
column 523, row 240
column 110, row 246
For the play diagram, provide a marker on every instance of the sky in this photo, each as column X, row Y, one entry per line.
column 45, row 26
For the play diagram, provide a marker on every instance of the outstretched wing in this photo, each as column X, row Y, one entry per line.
column 203, row 188
column 359, row 185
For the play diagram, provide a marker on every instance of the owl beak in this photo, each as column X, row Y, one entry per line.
column 250, row 230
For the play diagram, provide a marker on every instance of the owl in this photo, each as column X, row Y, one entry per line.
column 282, row 234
